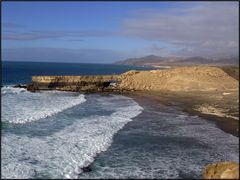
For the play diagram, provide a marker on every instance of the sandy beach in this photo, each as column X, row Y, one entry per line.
column 212, row 105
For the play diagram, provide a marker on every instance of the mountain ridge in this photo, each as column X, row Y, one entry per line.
column 153, row 60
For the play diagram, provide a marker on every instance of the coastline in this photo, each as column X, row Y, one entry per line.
column 209, row 92
column 186, row 103
column 182, row 101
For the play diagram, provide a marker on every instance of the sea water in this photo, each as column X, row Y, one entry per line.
column 52, row 134
column 164, row 143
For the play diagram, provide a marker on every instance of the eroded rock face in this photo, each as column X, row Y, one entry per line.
column 222, row 170
column 72, row 83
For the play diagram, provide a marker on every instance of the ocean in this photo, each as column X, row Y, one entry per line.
column 21, row 72
column 52, row 134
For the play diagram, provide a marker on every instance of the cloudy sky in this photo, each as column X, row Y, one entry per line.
column 104, row 32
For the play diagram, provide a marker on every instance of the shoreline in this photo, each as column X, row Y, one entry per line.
column 147, row 132
column 179, row 100
column 205, row 91
column 226, row 124
column 187, row 101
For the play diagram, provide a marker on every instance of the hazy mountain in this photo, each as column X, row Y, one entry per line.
column 158, row 60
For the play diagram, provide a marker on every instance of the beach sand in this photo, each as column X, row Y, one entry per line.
column 219, row 106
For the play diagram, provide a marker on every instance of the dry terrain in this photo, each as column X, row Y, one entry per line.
column 195, row 78
column 208, row 92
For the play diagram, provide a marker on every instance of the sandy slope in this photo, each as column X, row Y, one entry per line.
column 203, row 78
column 203, row 90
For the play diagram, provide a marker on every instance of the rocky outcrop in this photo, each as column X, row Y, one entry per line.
column 72, row 83
column 223, row 170
column 196, row 78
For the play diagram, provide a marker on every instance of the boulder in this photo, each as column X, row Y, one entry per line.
column 222, row 170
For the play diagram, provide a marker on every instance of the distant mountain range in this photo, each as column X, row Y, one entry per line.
column 153, row 60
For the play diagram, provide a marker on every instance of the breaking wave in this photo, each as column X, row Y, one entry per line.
column 64, row 153
column 21, row 106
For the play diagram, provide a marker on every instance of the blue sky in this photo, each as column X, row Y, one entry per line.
column 104, row 32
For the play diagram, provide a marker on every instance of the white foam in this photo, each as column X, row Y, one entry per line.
column 11, row 90
column 21, row 106
column 64, row 153
column 178, row 146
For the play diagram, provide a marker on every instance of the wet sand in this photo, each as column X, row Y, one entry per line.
column 188, row 101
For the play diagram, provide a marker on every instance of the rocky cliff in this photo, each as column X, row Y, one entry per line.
column 71, row 83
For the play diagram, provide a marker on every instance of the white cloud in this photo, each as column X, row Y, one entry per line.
column 207, row 28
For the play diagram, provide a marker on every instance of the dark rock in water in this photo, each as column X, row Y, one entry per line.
column 87, row 169
column 20, row 86
column 32, row 88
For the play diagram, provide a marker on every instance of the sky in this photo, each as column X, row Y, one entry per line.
column 105, row 32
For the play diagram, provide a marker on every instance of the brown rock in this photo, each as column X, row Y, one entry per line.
column 32, row 88
column 222, row 170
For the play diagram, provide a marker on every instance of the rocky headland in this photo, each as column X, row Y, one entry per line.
column 71, row 83
column 195, row 78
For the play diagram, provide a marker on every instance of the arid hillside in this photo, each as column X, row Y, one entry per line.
column 193, row 78
column 153, row 60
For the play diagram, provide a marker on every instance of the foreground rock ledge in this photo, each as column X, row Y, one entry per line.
column 222, row 170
